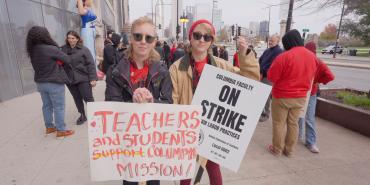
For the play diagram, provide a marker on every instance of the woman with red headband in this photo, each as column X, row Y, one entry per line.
column 185, row 73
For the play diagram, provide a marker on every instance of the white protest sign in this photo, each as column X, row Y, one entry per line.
column 139, row 142
column 232, row 105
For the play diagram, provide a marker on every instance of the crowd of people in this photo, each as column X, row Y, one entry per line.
column 150, row 71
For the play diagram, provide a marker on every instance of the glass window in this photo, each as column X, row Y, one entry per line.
column 23, row 15
column 10, row 82
column 55, row 21
column 55, row 3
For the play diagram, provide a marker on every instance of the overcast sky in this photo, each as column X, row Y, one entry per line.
column 244, row 11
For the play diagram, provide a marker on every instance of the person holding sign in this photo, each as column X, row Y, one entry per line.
column 139, row 77
column 185, row 74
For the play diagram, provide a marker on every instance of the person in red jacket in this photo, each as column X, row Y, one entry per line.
column 323, row 75
column 291, row 74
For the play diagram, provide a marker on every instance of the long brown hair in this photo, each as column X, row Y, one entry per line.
column 154, row 56
column 75, row 34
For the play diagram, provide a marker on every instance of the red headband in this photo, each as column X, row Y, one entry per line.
column 196, row 23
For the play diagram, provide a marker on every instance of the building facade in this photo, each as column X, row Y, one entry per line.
column 58, row 16
column 217, row 19
column 254, row 28
column 175, row 16
column 264, row 30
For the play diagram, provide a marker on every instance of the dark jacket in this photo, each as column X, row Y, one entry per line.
column 224, row 55
column 267, row 57
column 119, row 83
column 160, row 51
column 166, row 51
column 82, row 62
column 111, row 54
column 179, row 52
column 44, row 61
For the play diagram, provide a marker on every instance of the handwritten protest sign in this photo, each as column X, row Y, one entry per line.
column 232, row 105
column 139, row 142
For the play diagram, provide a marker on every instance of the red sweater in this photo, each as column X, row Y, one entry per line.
column 292, row 73
column 323, row 75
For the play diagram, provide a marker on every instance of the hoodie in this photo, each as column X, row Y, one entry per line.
column 292, row 39
column 293, row 71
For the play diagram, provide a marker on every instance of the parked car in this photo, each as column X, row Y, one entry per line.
column 330, row 49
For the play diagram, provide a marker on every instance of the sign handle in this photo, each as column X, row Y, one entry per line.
column 202, row 162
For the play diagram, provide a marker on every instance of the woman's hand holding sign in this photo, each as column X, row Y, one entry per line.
column 142, row 95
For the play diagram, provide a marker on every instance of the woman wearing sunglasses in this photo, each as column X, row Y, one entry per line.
column 139, row 77
column 185, row 73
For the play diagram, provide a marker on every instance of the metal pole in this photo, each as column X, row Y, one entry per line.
column 177, row 20
column 340, row 24
column 183, row 31
column 152, row 10
column 290, row 14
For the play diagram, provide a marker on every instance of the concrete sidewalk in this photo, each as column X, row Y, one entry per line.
column 27, row 157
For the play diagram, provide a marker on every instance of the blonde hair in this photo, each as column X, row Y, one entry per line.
column 209, row 30
column 154, row 56
column 88, row 3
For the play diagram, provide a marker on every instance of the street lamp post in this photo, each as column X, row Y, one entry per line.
column 177, row 20
column 184, row 19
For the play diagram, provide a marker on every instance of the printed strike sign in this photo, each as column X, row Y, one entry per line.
column 231, row 105
column 139, row 142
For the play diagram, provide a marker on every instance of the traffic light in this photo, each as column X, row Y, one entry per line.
column 232, row 30
column 239, row 30
column 178, row 29
column 159, row 26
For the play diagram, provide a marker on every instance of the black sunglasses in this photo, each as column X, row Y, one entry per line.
column 139, row 37
column 206, row 37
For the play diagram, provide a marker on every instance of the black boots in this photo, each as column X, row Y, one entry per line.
column 81, row 119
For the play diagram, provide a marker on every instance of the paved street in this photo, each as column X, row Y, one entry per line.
column 350, row 78
column 27, row 157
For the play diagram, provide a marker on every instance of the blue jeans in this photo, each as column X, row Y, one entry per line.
column 309, row 122
column 53, row 101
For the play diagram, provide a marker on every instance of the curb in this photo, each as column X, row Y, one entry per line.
column 341, row 64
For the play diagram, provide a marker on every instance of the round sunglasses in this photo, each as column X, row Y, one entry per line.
column 139, row 37
column 206, row 37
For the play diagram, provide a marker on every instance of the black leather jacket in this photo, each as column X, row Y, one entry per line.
column 119, row 84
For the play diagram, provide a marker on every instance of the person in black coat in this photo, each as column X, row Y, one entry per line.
column 167, row 51
column 179, row 52
column 111, row 52
column 159, row 49
column 223, row 53
column 84, row 73
column 47, row 61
